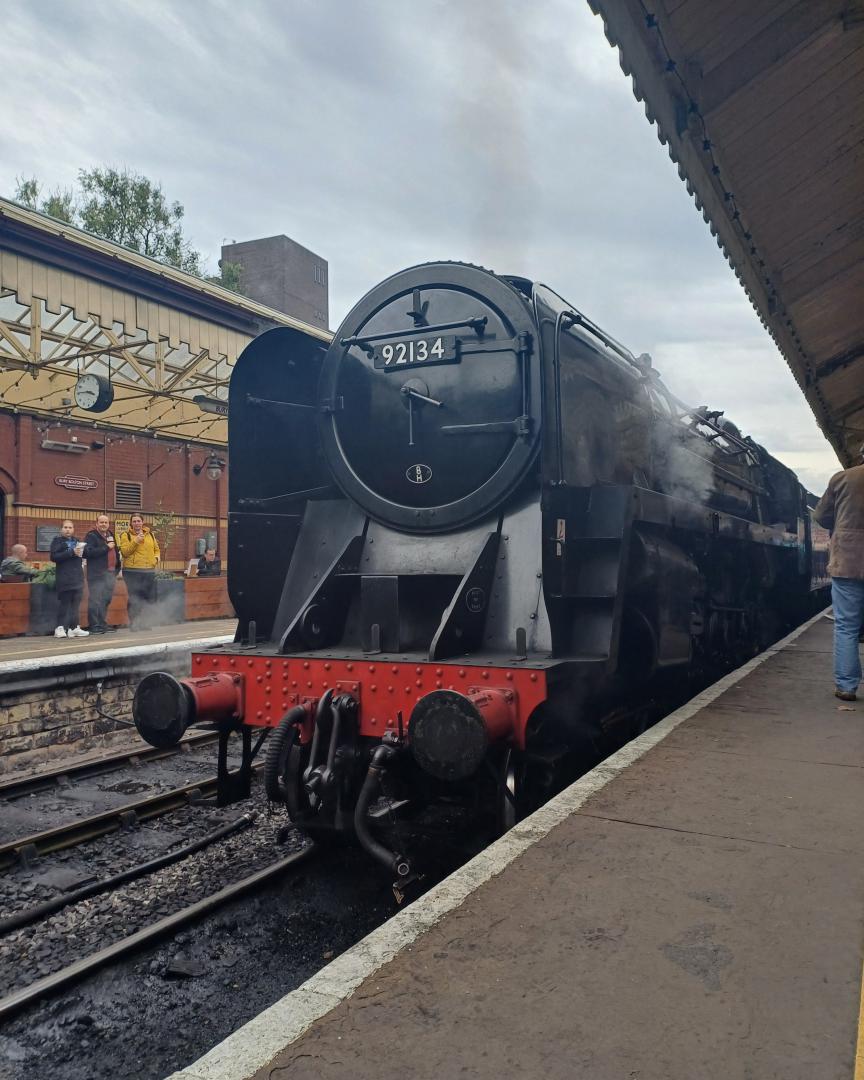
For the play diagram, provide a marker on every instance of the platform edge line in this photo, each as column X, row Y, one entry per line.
column 257, row 1042
column 859, row 1042
column 156, row 649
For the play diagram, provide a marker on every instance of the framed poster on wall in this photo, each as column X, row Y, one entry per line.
column 45, row 534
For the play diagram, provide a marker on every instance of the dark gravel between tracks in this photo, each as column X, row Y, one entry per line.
column 24, row 886
column 74, row 799
column 91, row 924
column 137, row 1021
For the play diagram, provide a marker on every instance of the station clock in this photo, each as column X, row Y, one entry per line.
column 94, row 393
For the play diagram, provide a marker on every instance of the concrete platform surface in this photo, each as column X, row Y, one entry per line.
column 14, row 651
column 692, row 909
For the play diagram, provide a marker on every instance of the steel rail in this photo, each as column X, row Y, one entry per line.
column 28, row 916
column 89, row 828
column 51, row 984
column 16, row 787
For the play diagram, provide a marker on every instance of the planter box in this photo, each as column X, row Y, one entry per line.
column 169, row 605
column 14, row 608
column 207, row 598
column 43, row 609
column 32, row 609
column 117, row 614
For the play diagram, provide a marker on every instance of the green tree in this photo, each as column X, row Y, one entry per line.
column 230, row 276
column 165, row 526
column 59, row 203
column 128, row 208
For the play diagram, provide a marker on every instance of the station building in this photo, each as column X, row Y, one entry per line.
column 114, row 374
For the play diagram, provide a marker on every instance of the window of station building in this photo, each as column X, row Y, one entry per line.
column 127, row 494
column 320, row 276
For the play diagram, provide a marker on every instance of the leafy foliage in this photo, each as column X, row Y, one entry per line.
column 47, row 576
column 59, row 203
column 229, row 277
column 128, row 208
column 164, row 525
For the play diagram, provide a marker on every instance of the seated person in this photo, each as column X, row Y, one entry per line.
column 209, row 565
column 15, row 565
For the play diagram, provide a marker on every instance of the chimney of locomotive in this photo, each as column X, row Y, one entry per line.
column 451, row 733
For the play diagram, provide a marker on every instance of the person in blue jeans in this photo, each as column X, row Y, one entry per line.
column 841, row 509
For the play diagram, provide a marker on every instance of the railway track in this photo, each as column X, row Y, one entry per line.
column 18, row 787
column 28, row 848
column 60, row 980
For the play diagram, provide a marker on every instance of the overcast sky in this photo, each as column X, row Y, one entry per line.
column 381, row 133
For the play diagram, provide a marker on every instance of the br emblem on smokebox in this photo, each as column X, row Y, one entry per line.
column 419, row 474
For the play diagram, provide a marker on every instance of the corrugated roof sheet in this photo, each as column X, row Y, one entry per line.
column 761, row 103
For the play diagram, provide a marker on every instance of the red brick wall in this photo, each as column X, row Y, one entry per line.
column 163, row 467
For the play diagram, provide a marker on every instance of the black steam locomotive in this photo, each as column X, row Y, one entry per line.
column 470, row 544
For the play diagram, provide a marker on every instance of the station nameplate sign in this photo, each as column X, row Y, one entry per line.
column 211, row 404
column 76, row 483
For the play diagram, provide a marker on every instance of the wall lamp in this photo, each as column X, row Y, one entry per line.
column 213, row 465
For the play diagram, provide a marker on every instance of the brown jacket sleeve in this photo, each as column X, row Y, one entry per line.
column 824, row 512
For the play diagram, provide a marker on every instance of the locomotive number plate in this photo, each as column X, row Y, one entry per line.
column 417, row 351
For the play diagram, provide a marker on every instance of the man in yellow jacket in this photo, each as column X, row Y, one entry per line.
column 140, row 551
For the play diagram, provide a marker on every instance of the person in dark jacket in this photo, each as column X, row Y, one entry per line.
column 67, row 552
column 103, row 565
column 209, row 565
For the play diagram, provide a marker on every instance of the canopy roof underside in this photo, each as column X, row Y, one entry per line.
column 761, row 103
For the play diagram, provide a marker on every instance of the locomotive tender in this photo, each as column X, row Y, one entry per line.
column 469, row 545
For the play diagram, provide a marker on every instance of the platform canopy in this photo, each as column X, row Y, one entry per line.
column 761, row 104
column 72, row 304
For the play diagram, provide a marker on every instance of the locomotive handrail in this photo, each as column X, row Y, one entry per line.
column 252, row 400
column 578, row 319
column 306, row 493
column 556, row 375
column 601, row 335
column 477, row 324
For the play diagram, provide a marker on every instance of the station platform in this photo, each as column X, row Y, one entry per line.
column 19, row 653
column 692, row 908
column 67, row 702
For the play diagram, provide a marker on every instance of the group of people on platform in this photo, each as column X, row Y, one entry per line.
column 135, row 551
column 134, row 554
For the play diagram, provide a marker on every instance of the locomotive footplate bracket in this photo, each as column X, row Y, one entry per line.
column 464, row 620
column 233, row 786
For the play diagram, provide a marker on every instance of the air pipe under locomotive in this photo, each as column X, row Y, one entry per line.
column 470, row 542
